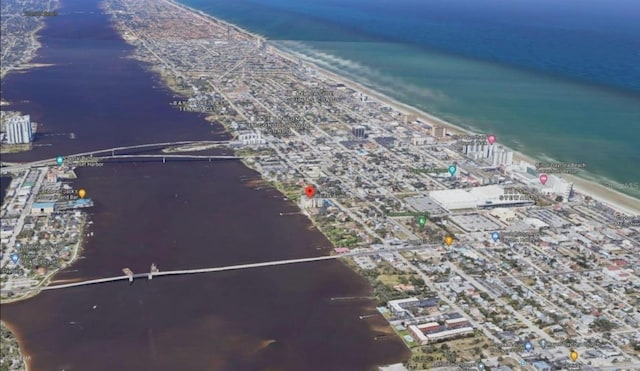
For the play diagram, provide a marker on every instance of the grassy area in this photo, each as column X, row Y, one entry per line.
column 290, row 190
column 389, row 280
column 424, row 357
column 470, row 349
column 170, row 80
column 341, row 237
column 249, row 152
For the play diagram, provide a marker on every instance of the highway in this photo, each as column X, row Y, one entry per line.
column 236, row 267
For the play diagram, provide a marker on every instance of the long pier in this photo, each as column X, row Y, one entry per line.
column 149, row 275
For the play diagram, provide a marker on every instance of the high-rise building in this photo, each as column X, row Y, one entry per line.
column 438, row 131
column 560, row 187
column 358, row 131
column 501, row 156
column 509, row 158
column 19, row 129
column 489, row 150
column 496, row 154
column 409, row 118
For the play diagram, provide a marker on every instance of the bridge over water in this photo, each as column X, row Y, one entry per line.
column 111, row 153
column 166, row 157
column 152, row 274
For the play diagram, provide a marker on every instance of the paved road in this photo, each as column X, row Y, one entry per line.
column 531, row 326
column 25, row 211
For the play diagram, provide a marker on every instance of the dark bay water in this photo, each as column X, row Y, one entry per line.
column 179, row 215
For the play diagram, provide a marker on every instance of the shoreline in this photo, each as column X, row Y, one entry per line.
column 613, row 198
column 46, row 280
column 26, row 64
column 24, row 359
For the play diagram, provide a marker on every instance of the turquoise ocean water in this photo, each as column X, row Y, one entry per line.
column 555, row 81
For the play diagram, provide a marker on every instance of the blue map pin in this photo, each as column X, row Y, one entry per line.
column 528, row 346
column 495, row 236
column 14, row 258
column 59, row 160
column 452, row 169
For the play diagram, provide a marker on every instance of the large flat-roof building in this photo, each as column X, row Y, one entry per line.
column 250, row 138
column 432, row 332
column 419, row 332
column 478, row 197
column 42, row 208
column 456, row 323
column 449, row 334
column 400, row 307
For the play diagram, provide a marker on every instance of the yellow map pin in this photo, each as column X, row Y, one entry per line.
column 82, row 193
column 573, row 355
column 448, row 240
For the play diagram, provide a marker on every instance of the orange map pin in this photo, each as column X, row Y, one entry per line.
column 448, row 240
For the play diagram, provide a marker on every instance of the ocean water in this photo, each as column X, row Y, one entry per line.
column 554, row 80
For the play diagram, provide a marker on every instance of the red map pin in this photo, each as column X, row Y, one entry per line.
column 310, row 191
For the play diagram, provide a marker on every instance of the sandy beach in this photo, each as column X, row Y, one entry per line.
column 617, row 200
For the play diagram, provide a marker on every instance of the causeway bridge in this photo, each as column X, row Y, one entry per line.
column 111, row 153
column 130, row 276
column 169, row 156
